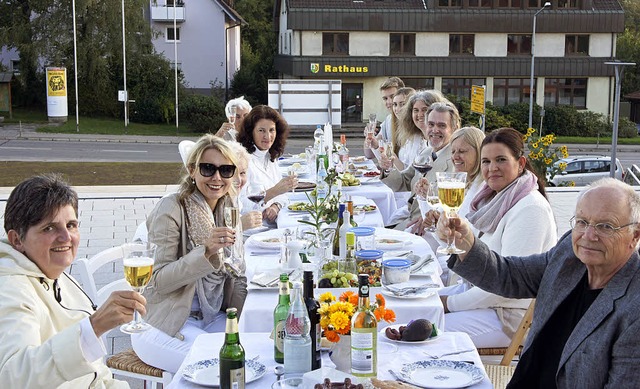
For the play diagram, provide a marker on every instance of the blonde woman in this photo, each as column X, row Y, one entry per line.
column 196, row 274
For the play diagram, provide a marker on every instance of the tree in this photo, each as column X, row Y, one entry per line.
column 628, row 46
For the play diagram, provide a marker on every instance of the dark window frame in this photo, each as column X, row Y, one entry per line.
column 174, row 34
column 510, row 3
column 558, row 89
column 461, row 87
column 522, row 44
column 461, row 44
column 336, row 46
column 576, row 45
column 410, row 41
column 520, row 84
column 450, row 3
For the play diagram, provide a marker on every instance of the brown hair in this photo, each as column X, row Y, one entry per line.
column 398, row 136
column 428, row 97
column 392, row 82
column 245, row 136
column 35, row 199
column 513, row 140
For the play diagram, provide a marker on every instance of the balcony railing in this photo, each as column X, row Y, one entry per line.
column 164, row 13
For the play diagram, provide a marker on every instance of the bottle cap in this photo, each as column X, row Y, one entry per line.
column 307, row 275
column 363, row 279
column 232, row 312
column 284, row 277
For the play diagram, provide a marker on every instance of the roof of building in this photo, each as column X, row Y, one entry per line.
column 607, row 5
column 358, row 4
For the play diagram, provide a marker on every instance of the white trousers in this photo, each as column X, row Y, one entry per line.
column 165, row 352
column 483, row 325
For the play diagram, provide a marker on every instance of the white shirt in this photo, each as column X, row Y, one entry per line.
column 262, row 171
column 412, row 147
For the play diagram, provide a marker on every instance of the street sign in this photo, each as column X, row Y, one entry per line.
column 477, row 99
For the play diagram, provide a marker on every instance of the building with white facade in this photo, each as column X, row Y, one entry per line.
column 206, row 36
column 451, row 45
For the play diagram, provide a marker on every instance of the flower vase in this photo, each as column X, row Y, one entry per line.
column 340, row 354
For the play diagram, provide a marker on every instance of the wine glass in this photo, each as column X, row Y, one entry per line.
column 359, row 214
column 232, row 115
column 231, row 219
column 451, row 194
column 138, row 267
column 423, row 163
column 430, row 202
column 256, row 193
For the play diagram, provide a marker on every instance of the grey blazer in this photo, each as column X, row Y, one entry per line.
column 604, row 349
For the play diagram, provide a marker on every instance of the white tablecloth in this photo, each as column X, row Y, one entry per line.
column 208, row 346
column 257, row 315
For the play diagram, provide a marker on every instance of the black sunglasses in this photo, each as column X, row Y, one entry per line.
column 209, row 169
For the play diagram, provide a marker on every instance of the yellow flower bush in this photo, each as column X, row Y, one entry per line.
column 543, row 155
column 335, row 314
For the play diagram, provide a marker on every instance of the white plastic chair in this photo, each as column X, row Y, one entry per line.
column 126, row 363
column 184, row 147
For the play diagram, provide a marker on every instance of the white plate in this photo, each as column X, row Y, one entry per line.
column 207, row 372
column 298, row 203
column 383, row 335
column 369, row 180
column 391, row 243
column 271, row 242
column 441, row 374
column 424, row 294
column 292, row 160
column 255, row 230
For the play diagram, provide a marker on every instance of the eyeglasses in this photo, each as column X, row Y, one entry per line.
column 602, row 229
column 209, row 169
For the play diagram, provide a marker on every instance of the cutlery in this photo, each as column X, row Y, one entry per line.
column 268, row 253
column 397, row 377
column 411, row 289
column 418, row 266
column 449, row 353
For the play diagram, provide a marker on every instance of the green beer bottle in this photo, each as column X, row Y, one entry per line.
column 279, row 317
column 232, row 355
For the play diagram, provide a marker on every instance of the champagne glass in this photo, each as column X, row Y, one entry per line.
column 232, row 115
column 231, row 220
column 256, row 193
column 451, row 194
column 423, row 163
column 371, row 127
column 432, row 201
column 138, row 267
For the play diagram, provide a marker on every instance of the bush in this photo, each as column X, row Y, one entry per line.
column 627, row 128
column 563, row 120
column 595, row 124
column 202, row 113
column 152, row 88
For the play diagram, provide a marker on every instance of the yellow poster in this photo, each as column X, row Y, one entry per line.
column 56, row 82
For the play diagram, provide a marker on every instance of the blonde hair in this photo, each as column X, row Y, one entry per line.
column 206, row 142
column 398, row 136
column 473, row 137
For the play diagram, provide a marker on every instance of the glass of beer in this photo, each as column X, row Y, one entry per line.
column 138, row 266
column 451, row 193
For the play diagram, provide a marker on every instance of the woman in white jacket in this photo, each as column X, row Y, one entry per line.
column 49, row 328
column 264, row 134
column 511, row 214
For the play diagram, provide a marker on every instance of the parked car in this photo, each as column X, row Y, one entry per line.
column 585, row 169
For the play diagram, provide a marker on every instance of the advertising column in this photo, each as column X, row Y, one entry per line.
column 57, row 108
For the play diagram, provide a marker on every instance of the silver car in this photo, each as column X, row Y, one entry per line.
column 583, row 170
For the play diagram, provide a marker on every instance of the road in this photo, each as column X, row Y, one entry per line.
column 123, row 151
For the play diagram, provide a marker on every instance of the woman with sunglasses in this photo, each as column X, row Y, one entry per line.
column 264, row 134
column 196, row 274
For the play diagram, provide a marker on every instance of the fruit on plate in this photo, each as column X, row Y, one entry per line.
column 416, row 331
column 299, row 206
column 296, row 166
column 371, row 174
column 366, row 208
column 347, row 384
column 349, row 179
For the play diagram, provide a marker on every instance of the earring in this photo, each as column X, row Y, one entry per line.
column 193, row 181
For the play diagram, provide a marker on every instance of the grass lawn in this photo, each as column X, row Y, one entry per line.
column 94, row 173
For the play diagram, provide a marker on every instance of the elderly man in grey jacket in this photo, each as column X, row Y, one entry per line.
column 587, row 315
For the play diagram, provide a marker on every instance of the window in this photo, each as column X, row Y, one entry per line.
column 567, row 3
column 511, row 90
column 461, row 44
column 173, row 36
column 419, row 83
column 576, row 45
column 518, row 44
column 178, row 3
column 335, row 43
column 566, row 91
column 479, row 3
column 402, row 44
column 15, row 66
column 510, row 3
column 536, row 3
column 460, row 87
column 450, row 3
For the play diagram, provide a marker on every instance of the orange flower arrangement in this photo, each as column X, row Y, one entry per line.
column 335, row 314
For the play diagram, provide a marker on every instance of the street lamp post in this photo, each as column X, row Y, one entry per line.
column 175, row 57
column 533, row 57
column 75, row 62
column 124, row 70
column 619, row 68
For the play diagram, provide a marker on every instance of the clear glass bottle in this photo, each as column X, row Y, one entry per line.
column 232, row 374
column 279, row 317
column 364, row 334
column 297, row 342
column 314, row 317
column 322, row 186
column 350, row 209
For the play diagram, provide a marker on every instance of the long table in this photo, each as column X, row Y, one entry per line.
column 288, row 218
column 207, row 346
column 257, row 315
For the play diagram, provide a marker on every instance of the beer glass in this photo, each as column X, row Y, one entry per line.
column 451, row 193
column 138, row 266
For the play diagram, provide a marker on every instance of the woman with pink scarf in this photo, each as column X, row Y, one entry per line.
column 511, row 214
